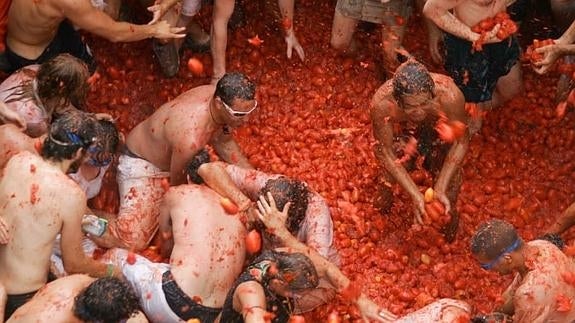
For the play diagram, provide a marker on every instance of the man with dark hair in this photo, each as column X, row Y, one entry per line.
column 45, row 29
column 159, row 148
column 275, row 220
column 309, row 218
column 206, row 247
column 429, row 106
column 80, row 298
column 543, row 289
column 39, row 201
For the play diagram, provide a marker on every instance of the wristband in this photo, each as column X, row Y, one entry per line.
column 110, row 270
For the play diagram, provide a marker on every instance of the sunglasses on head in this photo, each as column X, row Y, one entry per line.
column 239, row 113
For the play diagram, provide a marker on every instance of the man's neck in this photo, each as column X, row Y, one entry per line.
column 62, row 165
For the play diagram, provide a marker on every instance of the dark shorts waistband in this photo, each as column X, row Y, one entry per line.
column 182, row 305
column 14, row 301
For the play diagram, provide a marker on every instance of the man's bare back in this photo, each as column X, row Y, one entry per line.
column 209, row 249
column 33, row 194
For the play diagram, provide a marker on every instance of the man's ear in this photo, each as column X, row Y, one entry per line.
column 79, row 154
column 508, row 259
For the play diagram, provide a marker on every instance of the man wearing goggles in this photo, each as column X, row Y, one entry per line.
column 540, row 291
column 159, row 148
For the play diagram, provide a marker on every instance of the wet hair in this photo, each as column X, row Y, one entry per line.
column 493, row 237
column 107, row 136
column 63, row 77
column 198, row 160
column 286, row 190
column 59, row 82
column 106, row 299
column 295, row 269
column 69, row 133
column 235, row 86
column 554, row 239
column 412, row 77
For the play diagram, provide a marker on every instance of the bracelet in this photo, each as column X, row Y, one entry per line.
column 110, row 270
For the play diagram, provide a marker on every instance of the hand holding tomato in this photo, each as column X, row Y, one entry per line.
column 547, row 55
column 419, row 209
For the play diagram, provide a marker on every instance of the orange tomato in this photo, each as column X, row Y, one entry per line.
column 253, row 242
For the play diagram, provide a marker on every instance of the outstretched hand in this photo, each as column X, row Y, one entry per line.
column 550, row 54
column 443, row 199
column 268, row 213
column 293, row 43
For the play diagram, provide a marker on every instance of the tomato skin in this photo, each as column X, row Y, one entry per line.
column 229, row 206
column 196, row 66
column 253, row 242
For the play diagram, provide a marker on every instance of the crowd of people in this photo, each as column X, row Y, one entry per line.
column 54, row 155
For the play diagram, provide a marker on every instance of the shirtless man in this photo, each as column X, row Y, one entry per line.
column 40, row 30
column 275, row 222
column 543, row 290
column 207, row 250
column 223, row 10
column 309, row 219
column 488, row 77
column 159, row 148
column 38, row 202
column 421, row 103
column 80, row 298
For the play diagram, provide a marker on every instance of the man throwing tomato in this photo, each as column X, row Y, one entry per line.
column 421, row 113
column 158, row 149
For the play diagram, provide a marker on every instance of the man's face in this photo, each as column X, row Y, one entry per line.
column 500, row 264
column 416, row 106
column 238, row 111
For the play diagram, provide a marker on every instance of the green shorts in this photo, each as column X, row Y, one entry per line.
column 374, row 11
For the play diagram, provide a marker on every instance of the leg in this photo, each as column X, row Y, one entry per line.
column 342, row 33
column 219, row 36
column 165, row 50
column 508, row 86
column 393, row 31
column 565, row 221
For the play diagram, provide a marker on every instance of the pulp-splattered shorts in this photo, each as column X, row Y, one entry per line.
column 374, row 11
column 476, row 72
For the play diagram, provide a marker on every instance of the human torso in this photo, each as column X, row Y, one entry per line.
column 471, row 12
column 53, row 303
column 27, row 108
column 176, row 124
column 32, row 25
column 209, row 250
column 538, row 297
column 31, row 191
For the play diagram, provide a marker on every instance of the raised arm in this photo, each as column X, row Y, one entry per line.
column 229, row 150
column 383, row 132
column 82, row 14
column 217, row 178
column 275, row 220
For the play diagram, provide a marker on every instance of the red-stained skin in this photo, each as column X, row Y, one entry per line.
column 524, row 151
